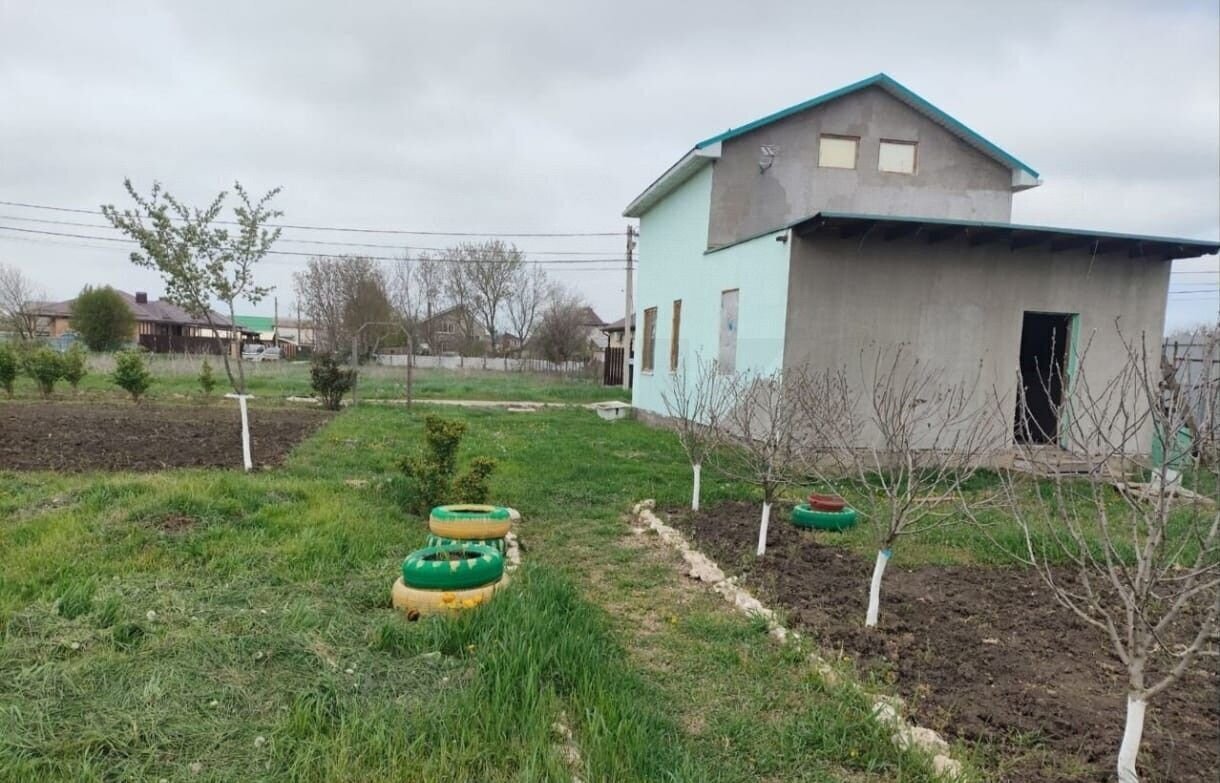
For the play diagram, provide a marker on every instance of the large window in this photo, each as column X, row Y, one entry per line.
column 650, row 338
column 897, row 157
column 673, row 336
column 838, row 152
column 727, row 357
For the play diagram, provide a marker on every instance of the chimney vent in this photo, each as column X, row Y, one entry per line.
column 141, row 297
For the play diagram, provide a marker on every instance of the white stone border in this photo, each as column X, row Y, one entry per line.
column 887, row 710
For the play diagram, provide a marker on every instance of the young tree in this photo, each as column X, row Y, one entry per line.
column 330, row 381
column 131, row 375
column 530, row 290
column 1143, row 565
column 45, row 367
column 102, row 318
column 909, row 433
column 202, row 260
column 207, row 381
column 75, row 365
column 695, row 402
column 761, row 430
column 18, row 296
column 9, row 365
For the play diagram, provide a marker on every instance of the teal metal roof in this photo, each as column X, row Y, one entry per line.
column 901, row 93
column 256, row 323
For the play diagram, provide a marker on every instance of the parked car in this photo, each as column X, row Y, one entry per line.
column 260, row 353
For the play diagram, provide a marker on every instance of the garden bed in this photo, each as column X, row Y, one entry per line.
column 75, row 437
column 980, row 653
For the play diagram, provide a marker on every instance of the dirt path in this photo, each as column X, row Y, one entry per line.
column 74, row 437
column 980, row 653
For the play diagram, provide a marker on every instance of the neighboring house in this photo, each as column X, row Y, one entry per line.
column 298, row 331
column 868, row 215
column 161, row 326
column 594, row 326
column 453, row 330
column 614, row 333
column 266, row 331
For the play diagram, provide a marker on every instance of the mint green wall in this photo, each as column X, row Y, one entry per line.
column 674, row 265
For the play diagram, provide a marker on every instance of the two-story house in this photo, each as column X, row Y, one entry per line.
column 869, row 216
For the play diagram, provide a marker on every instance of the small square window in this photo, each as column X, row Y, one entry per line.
column 897, row 157
column 837, row 152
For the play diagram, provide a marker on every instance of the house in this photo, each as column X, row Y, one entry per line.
column 453, row 330
column 614, row 332
column 594, row 326
column 868, row 215
column 267, row 331
column 161, row 325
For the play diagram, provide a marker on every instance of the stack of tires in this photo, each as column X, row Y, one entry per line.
column 824, row 512
column 461, row 567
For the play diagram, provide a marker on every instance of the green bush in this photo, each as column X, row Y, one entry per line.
column 431, row 475
column 102, row 318
column 45, row 366
column 74, row 364
column 206, row 381
column 9, row 365
column 330, row 381
column 131, row 375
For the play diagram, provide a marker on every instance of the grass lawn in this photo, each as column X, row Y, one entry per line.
column 176, row 377
column 211, row 625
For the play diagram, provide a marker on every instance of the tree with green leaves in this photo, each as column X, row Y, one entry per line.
column 102, row 318
column 203, row 259
column 45, row 366
column 75, row 365
column 9, row 364
column 131, row 375
column 207, row 381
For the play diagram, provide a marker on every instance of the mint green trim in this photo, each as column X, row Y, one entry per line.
column 1073, row 362
column 901, row 93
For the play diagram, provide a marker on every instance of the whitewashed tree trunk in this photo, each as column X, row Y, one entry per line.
column 245, row 430
column 1131, row 739
column 874, row 589
column 694, row 498
column 762, row 530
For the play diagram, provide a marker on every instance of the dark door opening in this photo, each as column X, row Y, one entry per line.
column 1043, row 359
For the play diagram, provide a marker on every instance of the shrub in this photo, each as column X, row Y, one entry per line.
column 131, row 375
column 74, row 365
column 45, row 366
column 206, row 381
column 102, row 318
column 330, row 381
column 431, row 475
column 9, row 364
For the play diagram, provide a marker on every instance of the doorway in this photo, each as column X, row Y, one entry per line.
column 1043, row 365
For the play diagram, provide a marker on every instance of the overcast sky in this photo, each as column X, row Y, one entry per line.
column 549, row 117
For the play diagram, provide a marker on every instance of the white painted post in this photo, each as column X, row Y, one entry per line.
column 874, row 589
column 245, row 429
column 694, row 499
column 762, row 530
column 1131, row 739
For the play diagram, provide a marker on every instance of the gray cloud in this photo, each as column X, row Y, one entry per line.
column 551, row 116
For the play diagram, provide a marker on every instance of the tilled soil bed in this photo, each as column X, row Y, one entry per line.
column 981, row 654
column 75, row 437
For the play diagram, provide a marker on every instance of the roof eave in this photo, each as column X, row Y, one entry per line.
column 674, row 176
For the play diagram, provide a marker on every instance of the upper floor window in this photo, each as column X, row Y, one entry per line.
column 837, row 152
column 896, row 156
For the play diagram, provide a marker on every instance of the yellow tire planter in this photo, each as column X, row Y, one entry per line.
column 470, row 521
column 417, row 603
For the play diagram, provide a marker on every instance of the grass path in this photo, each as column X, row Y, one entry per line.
column 209, row 625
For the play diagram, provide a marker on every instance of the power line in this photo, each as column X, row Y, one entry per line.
column 297, row 227
column 125, row 241
column 338, row 243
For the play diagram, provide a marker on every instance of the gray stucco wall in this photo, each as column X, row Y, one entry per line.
column 959, row 306
column 952, row 180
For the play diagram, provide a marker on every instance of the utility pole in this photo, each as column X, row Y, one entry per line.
column 627, row 319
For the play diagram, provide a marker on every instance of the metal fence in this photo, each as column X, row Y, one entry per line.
column 1197, row 369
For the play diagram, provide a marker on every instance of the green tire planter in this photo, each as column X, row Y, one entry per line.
column 804, row 516
column 470, row 522
column 452, row 567
column 495, row 543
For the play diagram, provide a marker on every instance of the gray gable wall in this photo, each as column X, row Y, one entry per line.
column 952, row 180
